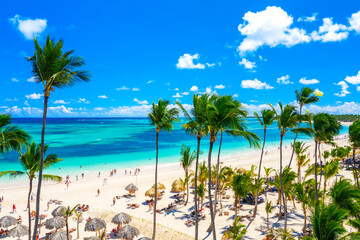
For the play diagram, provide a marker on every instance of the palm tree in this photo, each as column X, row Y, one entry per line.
column 302, row 195
column 78, row 217
column 53, row 69
column 346, row 196
column 268, row 171
column 225, row 176
column 325, row 127
column 354, row 139
column 30, row 163
column 287, row 120
column 186, row 160
column 300, row 150
column 241, row 185
column 229, row 117
column 68, row 212
column 303, row 97
column 331, row 169
column 163, row 120
column 327, row 222
column 12, row 137
column 201, row 193
column 224, row 114
column 268, row 209
column 266, row 119
column 236, row 232
column 196, row 126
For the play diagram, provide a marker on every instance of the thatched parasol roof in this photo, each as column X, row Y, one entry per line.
column 178, row 186
column 7, row 221
column 160, row 186
column 144, row 238
column 128, row 232
column 18, row 231
column 93, row 238
column 95, row 224
column 121, row 218
column 59, row 211
column 59, row 235
column 151, row 193
column 131, row 186
column 55, row 222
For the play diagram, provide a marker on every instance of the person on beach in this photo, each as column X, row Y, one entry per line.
column 114, row 201
column 0, row 207
column 98, row 192
column 82, row 175
column 14, row 208
column 125, row 172
column 105, row 181
column 99, row 174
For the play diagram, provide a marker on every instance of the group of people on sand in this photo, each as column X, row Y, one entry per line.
column 136, row 171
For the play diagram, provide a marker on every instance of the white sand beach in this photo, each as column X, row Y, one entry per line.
column 171, row 225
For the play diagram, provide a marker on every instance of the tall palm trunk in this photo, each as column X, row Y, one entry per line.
column 156, row 168
column 187, row 185
column 67, row 227
column 319, row 151
column 77, row 228
column 293, row 149
column 304, row 209
column 213, row 229
column 38, row 193
column 217, row 170
column 236, row 206
column 316, row 184
column 28, row 203
column 299, row 174
column 356, row 174
column 281, row 183
column 259, row 172
column 196, row 188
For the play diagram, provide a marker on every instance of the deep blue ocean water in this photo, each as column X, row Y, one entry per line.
column 122, row 142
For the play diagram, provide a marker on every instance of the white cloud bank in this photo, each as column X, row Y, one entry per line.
column 247, row 64
column 344, row 88
column 142, row 102
column 284, row 80
column 29, row 27
column 34, row 96
column 255, row 84
column 308, row 81
column 311, row 18
column 187, row 62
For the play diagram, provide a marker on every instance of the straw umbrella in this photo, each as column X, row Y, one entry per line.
column 121, row 218
column 160, row 186
column 59, row 235
column 144, row 238
column 95, row 225
column 59, row 211
column 18, row 231
column 7, row 221
column 151, row 193
column 131, row 188
column 128, row 232
column 56, row 222
column 93, row 238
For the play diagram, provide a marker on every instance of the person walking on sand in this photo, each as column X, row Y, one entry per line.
column 114, row 201
column 48, row 205
column 14, row 208
column 98, row 192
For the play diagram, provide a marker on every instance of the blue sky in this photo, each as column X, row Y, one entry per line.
column 139, row 51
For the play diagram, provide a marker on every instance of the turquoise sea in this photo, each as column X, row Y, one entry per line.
column 98, row 143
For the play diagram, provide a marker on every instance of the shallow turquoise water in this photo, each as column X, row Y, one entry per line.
column 93, row 143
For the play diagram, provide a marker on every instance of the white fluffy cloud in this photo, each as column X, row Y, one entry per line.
column 150, row 81
column 60, row 102
column 185, row 93
column 177, row 95
column 344, row 88
column 194, row 89
column 353, row 79
column 123, row 88
column 83, row 100
column 187, row 62
column 14, row 80
column 102, row 96
column 61, row 109
column 29, row 27
column 136, row 89
column 34, row 96
column 247, row 64
column 271, row 27
column 308, row 81
column 330, row 32
column 219, row 86
column 284, row 80
column 210, row 64
column 311, row 18
column 32, row 79
column 143, row 102
column 255, row 84
column 354, row 22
